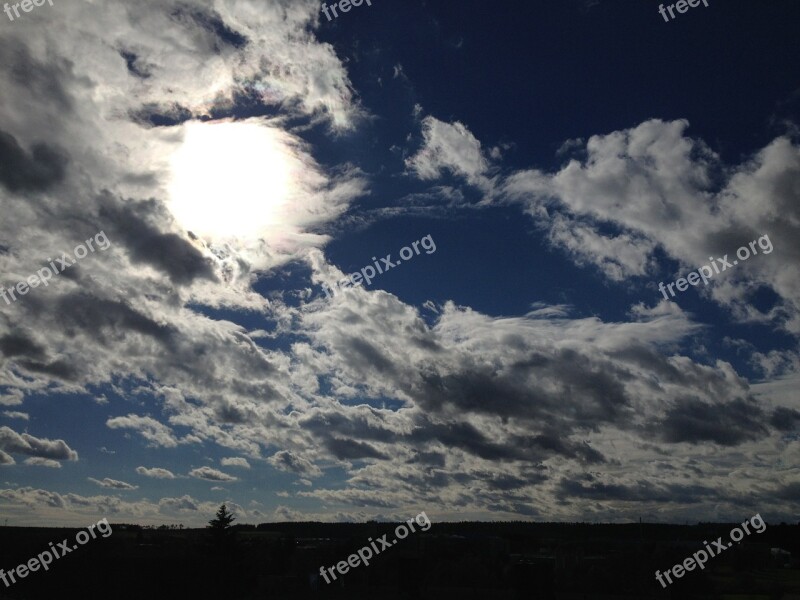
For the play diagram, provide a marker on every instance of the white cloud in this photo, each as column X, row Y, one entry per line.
column 153, row 431
column 449, row 147
column 12, row 414
column 113, row 483
column 13, row 442
column 156, row 472
column 210, row 474
column 43, row 462
column 655, row 184
column 235, row 462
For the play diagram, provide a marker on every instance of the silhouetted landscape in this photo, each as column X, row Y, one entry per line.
column 510, row 560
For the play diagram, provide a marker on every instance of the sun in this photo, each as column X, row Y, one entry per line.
column 231, row 179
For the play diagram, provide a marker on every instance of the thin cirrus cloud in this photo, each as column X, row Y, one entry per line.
column 14, row 414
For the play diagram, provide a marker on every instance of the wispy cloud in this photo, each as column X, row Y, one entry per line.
column 210, row 474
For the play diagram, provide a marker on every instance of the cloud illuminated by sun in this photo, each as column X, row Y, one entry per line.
column 232, row 179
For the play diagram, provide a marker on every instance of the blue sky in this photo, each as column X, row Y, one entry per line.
column 555, row 162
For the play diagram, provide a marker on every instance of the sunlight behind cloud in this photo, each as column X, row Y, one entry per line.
column 231, row 179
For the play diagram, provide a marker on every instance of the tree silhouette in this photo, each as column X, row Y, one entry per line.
column 222, row 522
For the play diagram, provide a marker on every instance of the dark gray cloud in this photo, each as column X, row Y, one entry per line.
column 19, row 344
column 284, row 460
column 785, row 419
column 641, row 491
column 32, row 356
column 790, row 491
column 727, row 424
column 109, row 320
column 38, row 171
column 133, row 224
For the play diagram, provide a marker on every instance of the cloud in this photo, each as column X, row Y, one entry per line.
column 21, row 172
column 12, row 414
column 13, row 442
column 43, row 462
column 45, row 506
column 113, row 483
column 11, row 398
column 156, row 472
column 726, row 423
column 210, row 474
column 480, row 415
column 652, row 186
column 136, row 225
column 33, row 497
column 153, row 431
column 285, row 460
column 449, row 147
column 235, row 462
column 618, row 257
column 183, row 504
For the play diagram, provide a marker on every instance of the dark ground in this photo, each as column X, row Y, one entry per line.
column 494, row 561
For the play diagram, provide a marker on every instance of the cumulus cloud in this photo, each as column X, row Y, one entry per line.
column 156, row 472
column 14, row 443
column 235, row 461
column 185, row 503
column 285, row 460
column 43, row 462
column 653, row 186
column 210, row 474
column 449, row 147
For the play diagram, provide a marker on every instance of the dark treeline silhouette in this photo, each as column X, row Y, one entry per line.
column 509, row 560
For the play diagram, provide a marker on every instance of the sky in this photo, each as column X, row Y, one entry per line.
column 414, row 257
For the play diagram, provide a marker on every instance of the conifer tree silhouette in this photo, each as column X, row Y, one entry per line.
column 222, row 522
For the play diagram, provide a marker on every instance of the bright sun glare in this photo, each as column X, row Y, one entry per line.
column 230, row 179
